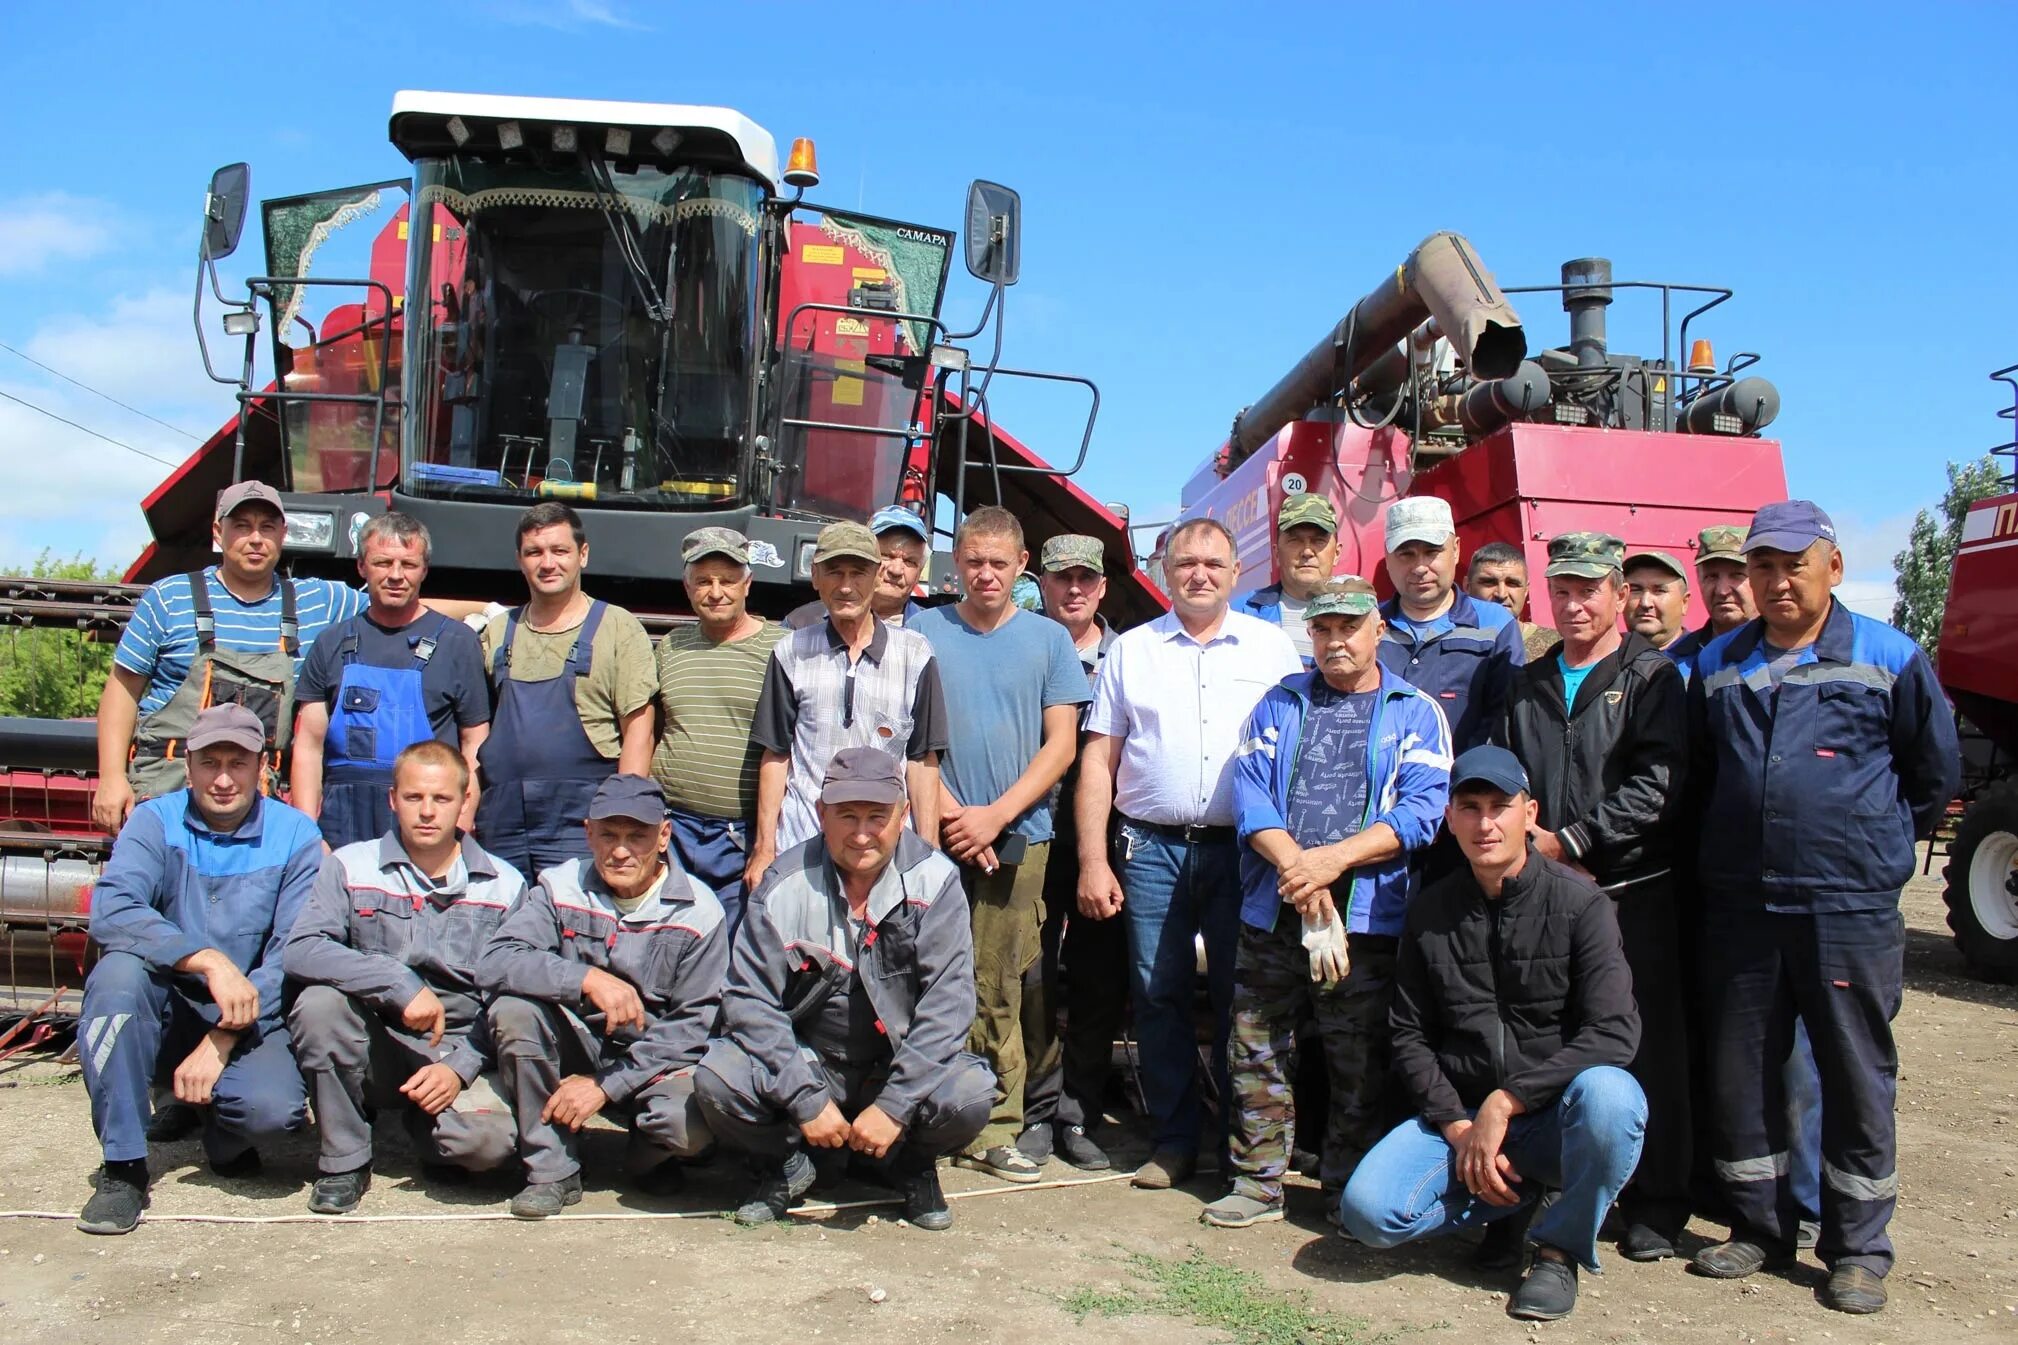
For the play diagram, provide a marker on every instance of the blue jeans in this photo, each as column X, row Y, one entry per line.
column 1173, row 892
column 1586, row 1146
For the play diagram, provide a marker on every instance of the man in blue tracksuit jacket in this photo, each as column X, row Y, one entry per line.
column 1822, row 749
column 191, row 912
column 1342, row 772
column 1306, row 553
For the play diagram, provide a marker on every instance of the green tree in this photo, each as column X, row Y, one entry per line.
column 1924, row 566
column 54, row 674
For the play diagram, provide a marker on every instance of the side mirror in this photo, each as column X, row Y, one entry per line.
column 224, row 211
column 994, row 233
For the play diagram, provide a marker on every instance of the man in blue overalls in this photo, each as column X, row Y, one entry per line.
column 572, row 681
column 1821, row 749
column 394, row 675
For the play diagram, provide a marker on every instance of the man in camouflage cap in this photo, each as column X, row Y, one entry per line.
column 1346, row 774
column 1306, row 553
column 1727, row 592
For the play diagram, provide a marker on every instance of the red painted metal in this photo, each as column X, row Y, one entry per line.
column 1978, row 661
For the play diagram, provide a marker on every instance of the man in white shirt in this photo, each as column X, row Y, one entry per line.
column 1168, row 707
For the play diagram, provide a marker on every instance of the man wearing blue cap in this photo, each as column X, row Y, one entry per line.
column 1513, row 1024
column 1823, row 749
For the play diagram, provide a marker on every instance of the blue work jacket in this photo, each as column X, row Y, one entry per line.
column 1468, row 669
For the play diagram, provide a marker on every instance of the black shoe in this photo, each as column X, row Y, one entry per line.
column 1036, row 1143
column 1854, row 1289
column 115, row 1206
column 778, row 1186
column 543, row 1200
column 339, row 1192
column 668, row 1178
column 1082, row 1153
column 444, row 1174
column 1738, row 1258
column 1305, row 1163
column 1504, row 1243
column 1548, row 1292
column 1642, row 1243
column 244, row 1163
column 924, row 1202
column 173, row 1121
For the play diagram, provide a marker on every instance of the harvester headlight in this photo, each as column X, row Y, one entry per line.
column 564, row 140
column 310, row 532
column 458, row 131
column 509, row 136
column 617, row 142
column 804, row 569
column 666, row 141
column 242, row 322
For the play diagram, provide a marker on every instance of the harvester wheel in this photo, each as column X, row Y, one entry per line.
column 1982, row 876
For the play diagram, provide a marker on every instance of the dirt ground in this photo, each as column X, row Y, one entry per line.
column 1012, row 1269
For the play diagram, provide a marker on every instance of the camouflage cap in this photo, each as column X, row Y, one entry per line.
column 846, row 539
column 1660, row 558
column 715, row 542
column 1585, row 555
column 1351, row 596
column 1308, row 507
column 1070, row 550
column 1720, row 543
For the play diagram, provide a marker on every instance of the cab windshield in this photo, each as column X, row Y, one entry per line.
column 583, row 331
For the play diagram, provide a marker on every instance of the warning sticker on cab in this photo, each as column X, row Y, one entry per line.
column 823, row 254
column 847, row 392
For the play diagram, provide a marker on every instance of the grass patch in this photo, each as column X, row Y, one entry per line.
column 1222, row 1297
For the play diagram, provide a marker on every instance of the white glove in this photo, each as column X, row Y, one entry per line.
column 1324, row 940
column 476, row 621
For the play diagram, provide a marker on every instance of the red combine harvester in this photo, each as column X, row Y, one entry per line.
column 1978, row 667
column 1427, row 387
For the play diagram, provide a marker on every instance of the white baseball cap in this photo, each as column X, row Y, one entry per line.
column 1419, row 518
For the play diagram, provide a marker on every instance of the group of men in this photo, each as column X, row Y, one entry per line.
column 818, row 890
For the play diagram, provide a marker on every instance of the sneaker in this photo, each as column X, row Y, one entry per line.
column 543, row 1200
column 244, row 1163
column 1166, row 1168
column 1036, row 1143
column 1548, row 1292
column 1235, row 1210
column 777, row 1187
column 115, row 1206
column 173, row 1121
column 1736, row 1259
column 924, row 1203
column 1504, row 1243
column 1853, row 1289
column 1082, row 1153
column 1642, row 1243
column 1003, row 1160
column 339, row 1192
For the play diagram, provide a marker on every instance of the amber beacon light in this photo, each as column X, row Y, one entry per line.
column 802, row 169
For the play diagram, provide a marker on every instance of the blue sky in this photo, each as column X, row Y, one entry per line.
column 1206, row 190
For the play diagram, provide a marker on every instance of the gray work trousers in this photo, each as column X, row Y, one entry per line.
column 353, row 1060
column 736, row 1097
column 540, row 1043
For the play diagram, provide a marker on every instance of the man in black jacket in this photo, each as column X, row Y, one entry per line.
column 1513, row 1019
column 1602, row 730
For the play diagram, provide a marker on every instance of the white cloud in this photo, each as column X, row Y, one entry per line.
column 564, row 14
column 36, row 230
column 141, row 349
column 1868, row 547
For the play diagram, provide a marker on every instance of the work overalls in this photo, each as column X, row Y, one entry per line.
column 260, row 680
column 379, row 712
column 538, row 767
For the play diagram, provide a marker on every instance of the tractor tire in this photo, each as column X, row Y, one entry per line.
column 1982, row 876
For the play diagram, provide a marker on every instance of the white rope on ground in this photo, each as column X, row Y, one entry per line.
column 620, row 1216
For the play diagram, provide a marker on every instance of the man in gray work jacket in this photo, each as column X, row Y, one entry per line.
column 850, row 991
column 383, row 965
column 608, row 977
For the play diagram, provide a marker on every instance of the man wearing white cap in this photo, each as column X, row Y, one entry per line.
column 1439, row 638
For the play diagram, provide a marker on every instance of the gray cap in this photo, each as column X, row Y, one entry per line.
column 228, row 723
column 1660, row 558
column 233, row 498
column 863, row 775
column 637, row 797
column 715, row 542
column 1419, row 518
column 846, row 539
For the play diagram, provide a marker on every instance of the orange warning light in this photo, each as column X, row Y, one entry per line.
column 1701, row 360
column 802, row 168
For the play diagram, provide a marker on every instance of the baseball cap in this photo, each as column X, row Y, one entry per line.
column 1790, row 525
column 248, row 492
column 863, row 775
column 1720, row 543
column 1660, row 558
column 1351, row 596
column 637, row 797
column 716, row 542
column 896, row 516
column 229, row 723
column 1585, row 555
column 1069, row 550
column 1308, row 507
column 846, row 539
column 1419, row 518
column 1489, row 765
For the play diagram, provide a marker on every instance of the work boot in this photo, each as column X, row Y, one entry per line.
column 667, row 1178
column 1005, row 1161
column 924, row 1203
column 339, row 1192
column 1235, row 1210
column 241, row 1165
column 1549, row 1290
column 1644, row 1243
column 1166, row 1168
column 1505, row 1241
column 1854, row 1289
column 115, row 1206
column 778, row 1186
column 173, row 1121
column 1306, row 1163
column 1082, row 1153
column 1036, row 1143
column 543, row 1200
column 1738, row 1258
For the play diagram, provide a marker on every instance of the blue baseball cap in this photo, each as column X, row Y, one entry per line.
column 892, row 516
column 1489, row 765
column 1790, row 525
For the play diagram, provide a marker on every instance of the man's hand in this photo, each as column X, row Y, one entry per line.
column 197, row 1075
column 1310, row 875
column 237, row 999
column 113, row 802
column 1475, row 1152
column 574, row 1104
column 759, row 864
column 424, row 1013
column 1099, row 891
column 874, row 1132
column 965, row 830
column 828, row 1130
column 1545, row 843
column 615, row 996
column 434, row 1087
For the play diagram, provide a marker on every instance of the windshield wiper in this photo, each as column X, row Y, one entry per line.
column 624, row 230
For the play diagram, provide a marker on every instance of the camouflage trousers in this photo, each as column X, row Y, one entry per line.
column 1274, row 1001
